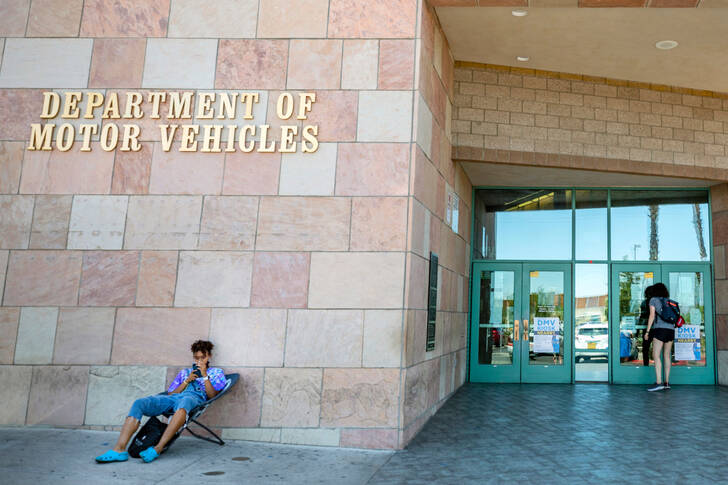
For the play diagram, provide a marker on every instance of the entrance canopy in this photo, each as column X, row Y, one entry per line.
column 616, row 43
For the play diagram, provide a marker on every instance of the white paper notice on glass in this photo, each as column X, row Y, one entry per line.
column 687, row 342
column 546, row 335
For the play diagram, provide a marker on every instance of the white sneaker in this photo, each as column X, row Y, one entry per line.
column 656, row 387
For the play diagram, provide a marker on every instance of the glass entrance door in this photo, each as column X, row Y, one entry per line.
column 689, row 285
column 521, row 323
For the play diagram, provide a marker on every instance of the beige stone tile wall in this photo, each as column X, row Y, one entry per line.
column 500, row 108
column 308, row 271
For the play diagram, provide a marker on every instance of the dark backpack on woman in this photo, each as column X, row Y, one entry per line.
column 148, row 435
column 670, row 312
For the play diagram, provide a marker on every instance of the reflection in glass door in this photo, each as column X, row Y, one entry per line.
column 547, row 329
column 693, row 360
column 495, row 323
column 520, row 324
column 591, row 320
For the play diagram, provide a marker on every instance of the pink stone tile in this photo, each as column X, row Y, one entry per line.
column 360, row 397
column 416, row 285
column 13, row 18
column 280, row 280
column 416, row 230
column 240, row 407
column 291, row 398
column 58, row 395
column 379, row 224
column 17, row 215
column 38, row 278
column 157, row 336
column 109, row 278
column 292, row 18
column 125, row 18
column 251, row 173
column 51, row 216
column 71, row 172
column 132, row 171
column 11, row 162
column 314, row 64
column 396, row 64
column 359, row 65
column 260, row 331
column 416, row 336
column 9, row 318
column 54, row 18
column 426, row 180
column 157, row 278
column 372, row 169
column 117, row 63
column 228, row 223
column 252, row 64
column 83, row 336
column 177, row 172
column 373, row 439
column 421, row 389
column 18, row 109
column 372, row 19
column 335, row 114
column 285, row 223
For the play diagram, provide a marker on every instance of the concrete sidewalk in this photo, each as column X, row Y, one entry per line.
column 45, row 456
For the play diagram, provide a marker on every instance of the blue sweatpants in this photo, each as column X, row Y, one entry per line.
column 159, row 404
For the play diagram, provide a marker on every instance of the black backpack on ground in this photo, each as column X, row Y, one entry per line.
column 148, row 435
column 670, row 311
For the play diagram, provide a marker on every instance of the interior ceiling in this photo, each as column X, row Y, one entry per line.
column 617, row 43
column 484, row 174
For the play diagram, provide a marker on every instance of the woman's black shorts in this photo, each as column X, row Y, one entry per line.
column 663, row 334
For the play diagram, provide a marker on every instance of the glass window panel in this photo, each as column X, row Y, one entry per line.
column 591, row 337
column 633, row 312
column 497, row 293
column 660, row 225
column 686, row 288
column 591, row 224
column 523, row 224
column 546, row 311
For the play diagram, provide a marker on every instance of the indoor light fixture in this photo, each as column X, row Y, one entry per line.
column 666, row 44
column 522, row 58
column 519, row 13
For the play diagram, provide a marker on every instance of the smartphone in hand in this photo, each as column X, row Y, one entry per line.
column 196, row 370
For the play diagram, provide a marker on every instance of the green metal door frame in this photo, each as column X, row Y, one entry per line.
column 703, row 375
column 638, row 374
column 520, row 369
column 557, row 373
column 488, row 372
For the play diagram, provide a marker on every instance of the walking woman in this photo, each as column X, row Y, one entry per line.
column 663, row 334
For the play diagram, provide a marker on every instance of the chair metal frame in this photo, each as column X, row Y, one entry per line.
column 197, row 411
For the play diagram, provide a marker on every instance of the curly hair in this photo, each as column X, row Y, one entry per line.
column 204, row 346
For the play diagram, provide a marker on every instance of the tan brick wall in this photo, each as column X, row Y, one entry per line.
column 529, row 111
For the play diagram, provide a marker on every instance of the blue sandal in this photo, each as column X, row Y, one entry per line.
column 149, row 455
column 111, row 456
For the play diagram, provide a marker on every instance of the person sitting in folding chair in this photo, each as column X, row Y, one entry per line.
column 190, row 388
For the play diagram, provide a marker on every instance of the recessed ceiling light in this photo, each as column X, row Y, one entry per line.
column 666, row 44
column 519, row 13
column 522, row 58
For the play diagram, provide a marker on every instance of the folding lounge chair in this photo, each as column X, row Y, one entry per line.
column 196, row 412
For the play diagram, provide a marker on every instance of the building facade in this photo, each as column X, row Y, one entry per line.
column 277, row 175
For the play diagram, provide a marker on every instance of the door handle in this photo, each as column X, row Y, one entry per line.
column 525, row 330
column 516, row 330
